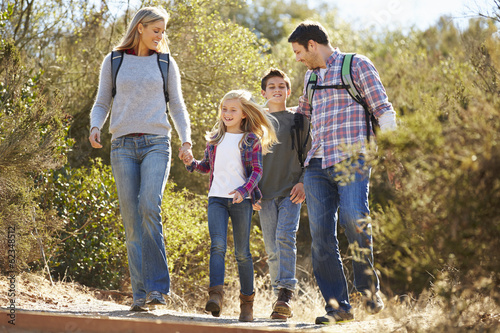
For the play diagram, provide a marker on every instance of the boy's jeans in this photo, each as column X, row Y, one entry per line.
column 140, row 167
column 279, row 219
column 324, row 197
column 219, row 211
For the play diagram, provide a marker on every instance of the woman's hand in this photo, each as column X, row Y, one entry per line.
column 185, row 153
column 95, row 137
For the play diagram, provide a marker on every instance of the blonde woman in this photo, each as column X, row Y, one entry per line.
column 233, row 158
column 140, row 146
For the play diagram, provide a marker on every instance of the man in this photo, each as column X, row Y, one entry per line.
column 282, row 190
column 339, row 138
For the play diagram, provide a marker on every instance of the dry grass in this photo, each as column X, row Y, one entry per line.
column 402, row 314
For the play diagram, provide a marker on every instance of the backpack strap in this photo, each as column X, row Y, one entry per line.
column 116, row 62
column 297, row 128
column 348, row 81
column 163, row 64
column 311, row 85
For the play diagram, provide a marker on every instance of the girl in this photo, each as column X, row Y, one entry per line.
column 233, row 157
column 140, row 146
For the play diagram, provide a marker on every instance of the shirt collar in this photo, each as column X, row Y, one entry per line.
column 331, row 59
column 132, row 52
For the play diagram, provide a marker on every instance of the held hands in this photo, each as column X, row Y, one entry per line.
column 256, row 206
column 237, row 196
column 95, row 137
column 185, row 153
column 297, row 195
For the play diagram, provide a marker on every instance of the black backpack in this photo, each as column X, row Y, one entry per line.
column 163, row 62
column 348, row 84
column 297, row 127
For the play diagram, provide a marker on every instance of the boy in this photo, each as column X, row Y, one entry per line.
column 282, row 190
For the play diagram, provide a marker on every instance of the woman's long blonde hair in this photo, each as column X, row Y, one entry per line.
column 257, row 121
column 146, row 15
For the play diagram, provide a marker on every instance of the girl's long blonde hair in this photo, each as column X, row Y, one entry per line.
column 257, row 121
column 146, row 15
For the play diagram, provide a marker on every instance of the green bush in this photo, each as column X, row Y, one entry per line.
column 91, row 248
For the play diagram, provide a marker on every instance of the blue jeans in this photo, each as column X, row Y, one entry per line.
column 279, row 219
column 325, row 196
column 140, row 168
column 219, row 211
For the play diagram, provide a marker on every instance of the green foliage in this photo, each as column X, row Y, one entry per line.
column 439, row 220
column 91, row 246
column 32, row 139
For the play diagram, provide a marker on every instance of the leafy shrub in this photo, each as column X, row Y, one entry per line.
column 91, row 248
column 32, row 139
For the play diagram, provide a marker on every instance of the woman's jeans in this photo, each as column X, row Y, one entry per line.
column 219, row 212
column 326, row 195
column 279, row 219
column 140, row 167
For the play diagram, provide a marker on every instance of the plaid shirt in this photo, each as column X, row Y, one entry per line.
column 251, row 157
column 337, row 120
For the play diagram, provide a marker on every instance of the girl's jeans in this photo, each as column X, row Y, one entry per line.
column 140, row 167
column 219, row 211
column 328, row 200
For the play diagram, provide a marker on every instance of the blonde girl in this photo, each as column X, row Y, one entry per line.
column 233, row 158
column 140, row 146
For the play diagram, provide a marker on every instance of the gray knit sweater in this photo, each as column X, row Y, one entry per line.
column 139, row 104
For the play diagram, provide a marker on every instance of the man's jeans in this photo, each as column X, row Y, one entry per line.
column 140, row 167
column 279, row 219
column 219, row 211
column 325, row 195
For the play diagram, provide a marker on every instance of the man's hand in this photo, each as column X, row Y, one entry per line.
column 297, row 195
column 256, row 206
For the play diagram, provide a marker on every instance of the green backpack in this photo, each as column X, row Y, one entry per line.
column 348, row 84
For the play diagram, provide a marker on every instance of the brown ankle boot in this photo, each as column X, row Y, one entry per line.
column 214, row 304
column 282, row 308
column 246, row 306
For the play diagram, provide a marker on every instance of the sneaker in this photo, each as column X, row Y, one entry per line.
column 282, row 308
column 373, row 303
column 154, row 298
column 335, row 317
column 139, row 305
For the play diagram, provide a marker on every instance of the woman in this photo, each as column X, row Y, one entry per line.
column 140, row 146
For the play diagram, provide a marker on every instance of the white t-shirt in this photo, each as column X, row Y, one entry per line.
column 229, row 173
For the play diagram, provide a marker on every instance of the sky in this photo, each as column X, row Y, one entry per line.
column 388, row 14
column 394, row 14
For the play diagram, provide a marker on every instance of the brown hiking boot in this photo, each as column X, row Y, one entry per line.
column 335, row 317
column 214, row 304
column 246, row 306
column 282, row 308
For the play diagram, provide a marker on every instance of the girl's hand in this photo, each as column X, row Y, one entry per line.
column 187, row 158
column 256, row 206
column 237, row 196
column 95, row 137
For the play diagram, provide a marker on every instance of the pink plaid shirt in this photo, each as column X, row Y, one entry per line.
column 337, row 120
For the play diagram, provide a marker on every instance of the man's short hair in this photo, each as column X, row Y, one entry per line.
column 274, row 72
column 309, row 30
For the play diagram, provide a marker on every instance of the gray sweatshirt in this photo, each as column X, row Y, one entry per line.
column 139, row 104
column 281, row 168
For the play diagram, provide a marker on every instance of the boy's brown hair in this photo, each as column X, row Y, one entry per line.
column 274, row 72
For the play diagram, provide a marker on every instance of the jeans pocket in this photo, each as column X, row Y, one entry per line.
column 158, row 140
